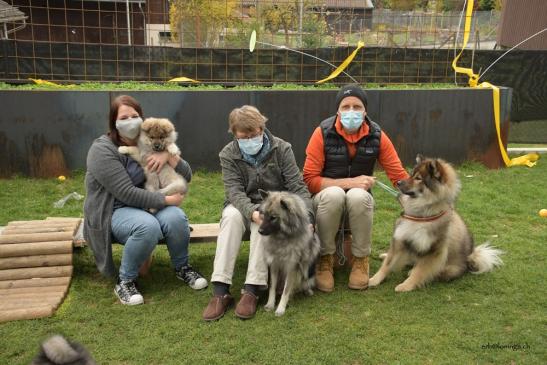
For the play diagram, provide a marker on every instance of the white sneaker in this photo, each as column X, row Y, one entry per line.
column 127, row 293
column 191, row 277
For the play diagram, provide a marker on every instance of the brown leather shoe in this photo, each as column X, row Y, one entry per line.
column 324, row 279
column 246, row 308
column 217, row 307
column 358, row 279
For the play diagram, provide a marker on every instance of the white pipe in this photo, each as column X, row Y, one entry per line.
column 128, row 23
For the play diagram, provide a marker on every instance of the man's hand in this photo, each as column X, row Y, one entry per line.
column 362, row 181
column 256, row 217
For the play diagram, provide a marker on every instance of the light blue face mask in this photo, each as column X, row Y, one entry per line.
column 251, row 146
column 351, row 119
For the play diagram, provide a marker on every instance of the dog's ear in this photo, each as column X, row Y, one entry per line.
column 284, row 204
column 436, row 170
column 263, row 193
column 146, row 125
column 419, row 158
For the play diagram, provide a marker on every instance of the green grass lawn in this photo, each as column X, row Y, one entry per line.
column 495, row 318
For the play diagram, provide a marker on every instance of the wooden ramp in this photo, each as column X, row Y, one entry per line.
column 35, row 266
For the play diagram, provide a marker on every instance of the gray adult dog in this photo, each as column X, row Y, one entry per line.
column 291, row 247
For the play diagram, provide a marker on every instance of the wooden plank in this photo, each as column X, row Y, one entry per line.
column 35, row 272
column 35, row 283
column 35, row 237
column 207, row 232
column 36, row 261
column 44, row 289
column 25, row 296
column 26, row 313
column 29, row 302
column 35, row 248
column 26, row 230
column 40, row 223
column 64, row 219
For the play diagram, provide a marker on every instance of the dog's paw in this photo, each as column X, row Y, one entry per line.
column 152, row 210
column 279, row 312
column 308, row 293
column 269, row 307
column 383, row 255
column 123, row 150
column 374, row 281
column 403, row 287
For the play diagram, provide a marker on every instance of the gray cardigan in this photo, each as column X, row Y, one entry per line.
column 277, row 172
column 105, row 180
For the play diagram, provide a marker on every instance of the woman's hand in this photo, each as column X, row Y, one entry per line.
column 155, row 161
column 175, row 199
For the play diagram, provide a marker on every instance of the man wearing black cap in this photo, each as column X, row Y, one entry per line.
column 339, row 168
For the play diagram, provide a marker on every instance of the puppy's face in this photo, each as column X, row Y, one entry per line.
column 157, row 133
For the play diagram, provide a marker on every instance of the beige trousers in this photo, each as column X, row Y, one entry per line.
column 357, row 205
column 232, row 229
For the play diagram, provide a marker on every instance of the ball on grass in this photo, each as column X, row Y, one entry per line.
column 543, row 213
column 61, row 178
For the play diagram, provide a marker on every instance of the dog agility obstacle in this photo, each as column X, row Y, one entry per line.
column 35, row 266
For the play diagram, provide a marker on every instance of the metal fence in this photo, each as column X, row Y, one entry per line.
column 155, row 40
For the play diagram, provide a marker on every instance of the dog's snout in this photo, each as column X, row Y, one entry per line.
column 157, row 146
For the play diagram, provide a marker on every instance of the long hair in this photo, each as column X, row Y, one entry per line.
column 114, row 106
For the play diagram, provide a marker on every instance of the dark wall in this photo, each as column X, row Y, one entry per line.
column 523, row 71
column 455, row 124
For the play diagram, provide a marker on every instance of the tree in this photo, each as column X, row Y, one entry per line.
column 204, row 19
column 314, row 28
column 281, row 17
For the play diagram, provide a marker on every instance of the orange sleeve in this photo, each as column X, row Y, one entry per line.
column 315, row 161
column 389, row 159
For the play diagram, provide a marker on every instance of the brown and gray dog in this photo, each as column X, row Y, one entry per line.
column 430, row 235
column 157, row 135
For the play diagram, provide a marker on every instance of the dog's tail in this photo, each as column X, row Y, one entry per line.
column 484, row 258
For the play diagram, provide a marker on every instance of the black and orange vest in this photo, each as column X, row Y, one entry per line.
column 337, row 161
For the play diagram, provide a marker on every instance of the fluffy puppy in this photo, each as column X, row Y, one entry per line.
column 157, row 135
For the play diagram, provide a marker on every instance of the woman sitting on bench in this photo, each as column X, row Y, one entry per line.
column 116, row 206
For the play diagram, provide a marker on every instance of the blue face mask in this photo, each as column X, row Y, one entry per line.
column 351, row 119
column 251, row 146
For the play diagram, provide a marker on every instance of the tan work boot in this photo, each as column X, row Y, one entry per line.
column 324, row 280
column 358, row 279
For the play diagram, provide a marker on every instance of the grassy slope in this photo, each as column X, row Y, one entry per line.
column 444, row 323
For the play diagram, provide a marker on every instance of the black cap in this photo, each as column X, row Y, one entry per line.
column 351, row 90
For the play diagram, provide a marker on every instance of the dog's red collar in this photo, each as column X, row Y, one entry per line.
column 424, row 219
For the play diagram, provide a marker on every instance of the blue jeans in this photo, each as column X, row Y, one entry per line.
column 140, row 231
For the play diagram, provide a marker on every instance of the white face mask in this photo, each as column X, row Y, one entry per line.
column 129, row 128
column 251, row 146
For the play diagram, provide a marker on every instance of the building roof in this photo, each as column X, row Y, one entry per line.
column 329, row 4
column 10, row 14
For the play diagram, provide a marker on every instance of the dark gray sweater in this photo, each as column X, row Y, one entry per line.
column 106, row 180
column 278, row 171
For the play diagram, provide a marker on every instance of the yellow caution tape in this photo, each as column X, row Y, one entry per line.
column 49, row 83
column 183, row 79
column 343, row 65
column 528, row 159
